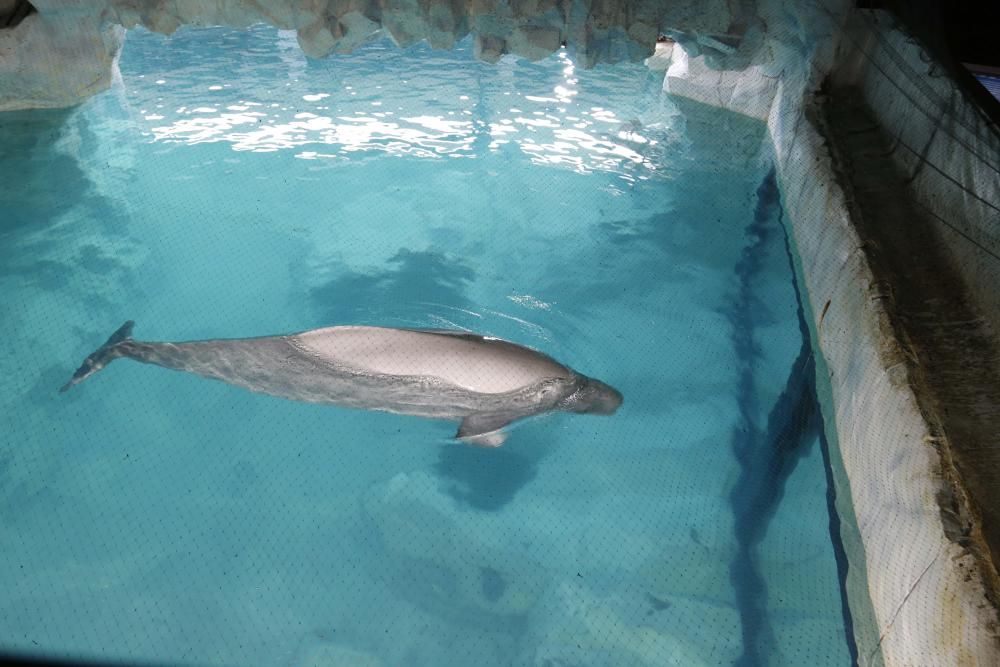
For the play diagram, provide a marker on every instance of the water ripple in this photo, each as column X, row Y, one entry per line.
column 333, row 108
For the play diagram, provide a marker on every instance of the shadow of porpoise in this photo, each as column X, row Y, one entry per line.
column 485, row 479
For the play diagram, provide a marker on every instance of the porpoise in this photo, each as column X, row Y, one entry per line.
column 483, row 382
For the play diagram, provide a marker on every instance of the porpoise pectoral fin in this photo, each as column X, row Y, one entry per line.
column 484, row 429
column 494, row 439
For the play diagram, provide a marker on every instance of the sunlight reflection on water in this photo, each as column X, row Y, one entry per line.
column 561, row 127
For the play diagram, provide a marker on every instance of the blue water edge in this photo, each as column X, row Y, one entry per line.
column 228, row 187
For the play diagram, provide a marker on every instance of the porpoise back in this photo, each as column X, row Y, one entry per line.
column 475, row 363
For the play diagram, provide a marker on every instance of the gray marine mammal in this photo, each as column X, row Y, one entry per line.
column 484, row 383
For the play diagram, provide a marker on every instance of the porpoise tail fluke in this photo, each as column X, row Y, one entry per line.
column 102, row 356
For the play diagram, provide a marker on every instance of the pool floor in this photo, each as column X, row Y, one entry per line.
column 228, row 187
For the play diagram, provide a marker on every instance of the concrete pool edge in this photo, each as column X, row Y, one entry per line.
column 928, row 596
column 925, row 601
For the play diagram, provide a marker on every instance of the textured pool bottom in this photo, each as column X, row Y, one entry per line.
column 164, row 517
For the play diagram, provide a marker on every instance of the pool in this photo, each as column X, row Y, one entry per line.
column 228, row 187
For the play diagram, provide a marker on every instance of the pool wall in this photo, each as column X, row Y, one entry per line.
column 929, row 608
column 943, row 142
column 928, row 594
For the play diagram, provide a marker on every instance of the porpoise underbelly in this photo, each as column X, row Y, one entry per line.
column 473, row 363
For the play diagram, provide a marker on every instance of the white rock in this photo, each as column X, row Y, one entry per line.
column 65, row 52
column 661, row 58
column 56, row 60
column 749, row 92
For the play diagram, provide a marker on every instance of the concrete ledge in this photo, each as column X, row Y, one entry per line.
column 946, row 145
column 928, row 598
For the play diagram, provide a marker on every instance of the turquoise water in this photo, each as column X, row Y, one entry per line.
column 228, row 187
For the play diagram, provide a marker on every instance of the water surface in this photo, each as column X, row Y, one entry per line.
column 228, row 187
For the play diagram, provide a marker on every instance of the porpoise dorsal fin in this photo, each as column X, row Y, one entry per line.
column 483, row 429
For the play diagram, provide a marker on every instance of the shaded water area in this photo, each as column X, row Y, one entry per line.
column 227, row 187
